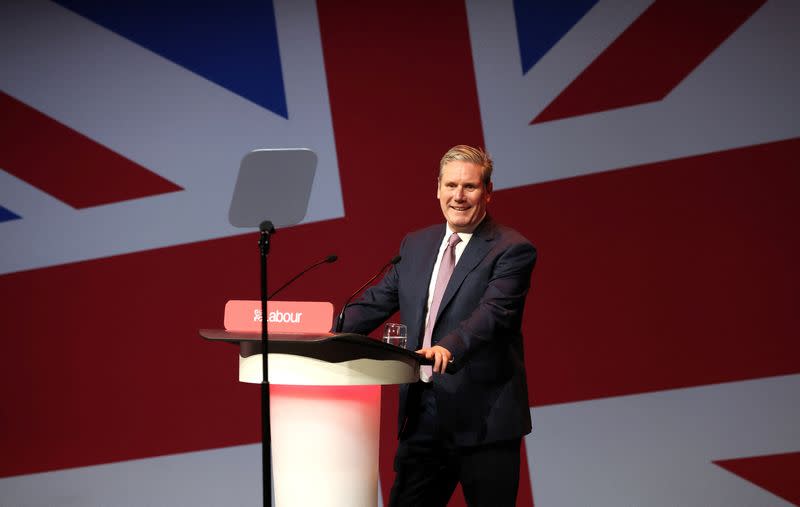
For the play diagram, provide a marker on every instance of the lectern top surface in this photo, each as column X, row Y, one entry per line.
column 255, row 336
column 329, row 347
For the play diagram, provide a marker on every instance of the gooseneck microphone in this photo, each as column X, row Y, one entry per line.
column 340, row 318
column 326, row 260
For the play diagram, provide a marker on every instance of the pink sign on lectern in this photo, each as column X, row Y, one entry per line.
column 282, row 316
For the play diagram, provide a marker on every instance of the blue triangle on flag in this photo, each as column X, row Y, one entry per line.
column 542, row 23
column 233, row 43
column 7, row 214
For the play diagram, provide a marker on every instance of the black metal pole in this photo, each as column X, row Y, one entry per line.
column 267, row 229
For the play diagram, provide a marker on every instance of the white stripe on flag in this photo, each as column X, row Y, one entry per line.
column 227, row 476
column 657, row 448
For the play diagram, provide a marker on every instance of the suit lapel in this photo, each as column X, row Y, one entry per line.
column 477, row 248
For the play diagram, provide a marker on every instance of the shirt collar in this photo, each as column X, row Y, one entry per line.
column 465, row 236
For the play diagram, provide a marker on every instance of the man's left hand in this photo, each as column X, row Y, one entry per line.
column 440, row 355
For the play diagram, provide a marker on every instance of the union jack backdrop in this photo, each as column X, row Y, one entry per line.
column 649, row 148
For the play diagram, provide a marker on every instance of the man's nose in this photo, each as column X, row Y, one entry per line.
column 459, row 194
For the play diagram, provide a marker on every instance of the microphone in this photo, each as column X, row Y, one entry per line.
column 340, row 318
column 328, row 259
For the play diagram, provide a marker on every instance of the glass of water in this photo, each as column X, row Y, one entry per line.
column 395, row 334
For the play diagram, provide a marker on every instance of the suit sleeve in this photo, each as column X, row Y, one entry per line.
column 377, row 304
column 499, row 312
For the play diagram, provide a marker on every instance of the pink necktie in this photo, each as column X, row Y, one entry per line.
column 445, row 270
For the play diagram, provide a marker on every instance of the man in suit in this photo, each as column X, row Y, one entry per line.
column 460, row 289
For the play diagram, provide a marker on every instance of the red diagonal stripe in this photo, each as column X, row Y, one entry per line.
column 66, row 164
column 667, row 42
column 777, row 473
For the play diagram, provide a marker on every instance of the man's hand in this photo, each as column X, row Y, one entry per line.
column 440, row 355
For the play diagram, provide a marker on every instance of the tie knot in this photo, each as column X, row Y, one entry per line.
column 453, row 240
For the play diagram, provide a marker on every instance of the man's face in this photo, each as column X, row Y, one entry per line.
column 462, row 195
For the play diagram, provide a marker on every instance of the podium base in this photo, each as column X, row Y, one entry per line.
column 325, row 445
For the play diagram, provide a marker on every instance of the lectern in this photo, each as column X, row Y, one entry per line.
column 324, row 399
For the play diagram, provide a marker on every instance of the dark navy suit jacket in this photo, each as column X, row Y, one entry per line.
column 483, row 397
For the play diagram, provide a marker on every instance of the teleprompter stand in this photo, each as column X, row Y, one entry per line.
column 273, row 187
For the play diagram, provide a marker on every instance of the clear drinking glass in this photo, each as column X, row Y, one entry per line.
column 395, row 334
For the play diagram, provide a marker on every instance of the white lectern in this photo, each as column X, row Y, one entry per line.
column 324, row 403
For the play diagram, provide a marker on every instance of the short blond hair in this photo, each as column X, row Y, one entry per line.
column 469, row 154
